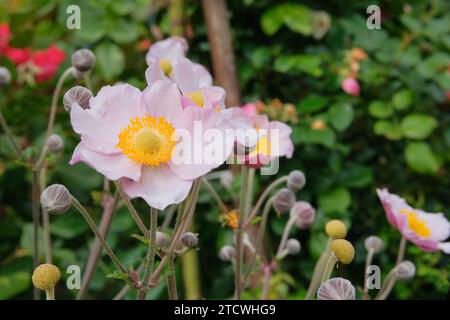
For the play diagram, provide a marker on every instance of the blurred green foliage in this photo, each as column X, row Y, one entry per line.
column 395, row 134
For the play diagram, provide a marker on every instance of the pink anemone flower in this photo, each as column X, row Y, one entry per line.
column 133, row 136
column 425, row 230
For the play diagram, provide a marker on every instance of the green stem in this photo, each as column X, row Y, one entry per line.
column 369, row 258
column 284, row 237
column 239, row 246
column 35, row 193
column 215, row 195
column 318, row 271
column 172, row 281
column 387, row 286
column 329, row 267
column 50, row 293
column 10, row 137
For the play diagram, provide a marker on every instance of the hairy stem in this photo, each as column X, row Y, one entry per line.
column 215, row 195
column 172, row 281
column 318, row 271
column 284, row 237
column 10, row 137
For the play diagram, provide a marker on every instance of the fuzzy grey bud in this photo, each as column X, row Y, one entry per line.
column 79, row 95
column 189, row 239
column 83, row 60
column 5, row 76
column 405, row 271
column 304, row 214
column 227, row 253
column 296, row 180
column 293, row 246
column 56, row 199
column 374, row 243
column 55, row 143
column 161, row 239
column 284, row 200
column 336, row 289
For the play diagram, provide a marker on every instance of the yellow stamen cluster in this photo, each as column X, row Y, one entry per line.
column 148, row 140
column 263, row 146
column 45, row 276
column 343, row 250
column 166, row 67
column 197, row 98
column 231, row 218
column 336, row 229
column 416, row 224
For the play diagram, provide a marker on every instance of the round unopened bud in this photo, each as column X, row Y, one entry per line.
column 5, row 76
column 83, row 60
column 336, row 229
column 284, row 200
column 405, row 271
column 227, row 253
column 293, row 246
column 189, row 239
column 56, row 199
column 45, row 276
column 343, row 250
column 55, row 143
column 374, row 243
column 304, row 214
column 79, row 95
column 161, row 239
column 336, row 289
column 296, row 180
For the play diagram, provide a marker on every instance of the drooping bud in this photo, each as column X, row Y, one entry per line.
column 227, row 253
column 336, row 229
column 284, row 200
column 83, row 60
column 405, row 271
column 189, row 239
column 336, row 289
column 343, row 250
column 56, row 199
column 374, row 243
column 293, row 246
column 304, row 214
column 55, row 143
column 296, row 180
column 5, row 76
column 79, row 95
column 45, row 276
column 161, row 239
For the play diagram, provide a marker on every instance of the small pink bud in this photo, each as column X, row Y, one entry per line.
column 304, row 214
column 250, row 109
column 351, row 86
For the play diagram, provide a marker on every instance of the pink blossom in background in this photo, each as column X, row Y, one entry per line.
column 351, row 86
column 4, row 37
column 426, row 230
column 251, row 109
column 47, row 61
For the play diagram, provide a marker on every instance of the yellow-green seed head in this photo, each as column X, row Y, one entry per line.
column 45, row 276
column 343, row 250
column 336, row 229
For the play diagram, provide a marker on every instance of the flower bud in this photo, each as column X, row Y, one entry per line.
column 227, row 253
column 296, row 180
column 56, row 199
column 304, row 214
column 336, row 289
column 343, row 250
column 79, row 95
column 374, row 243
column 161, row 239
column 45, row 276
column 83, row 60
column 405, row 271
column 293, row 246
column 284, row 200
column 54, row 143
column 351, row 86
column 5, row 76
column 189, row 239
column 336, row 229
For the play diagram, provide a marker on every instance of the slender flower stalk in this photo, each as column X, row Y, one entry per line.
column 35, row 192
column 172, row 281
column 329, row 267
column 150, row 259
column 94, row 228
column 215, row 195
column 369, row 258
column 46, row 221
column 10, row 137
column 287, row 230
column 266, row 282
column 318, row 271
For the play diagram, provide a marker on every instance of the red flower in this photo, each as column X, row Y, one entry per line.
column 17, row 55
column 47, row 61
column 4, row 36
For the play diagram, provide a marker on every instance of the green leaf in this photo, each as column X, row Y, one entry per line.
column 380, row 109
column 335, row 200
column 272, row 20
column 110, row 60
column 15, row 278
column 117, row 275
column 68, row 226
column 298, row 18
column 309, row 64
column 402, row 99
column 418, row 126
column 341, row 116
column 357, row 176
column 312, row 103
column 140, row 238
column 124, row 31
column 421, row 158
column 303, row 134
column 388, row 129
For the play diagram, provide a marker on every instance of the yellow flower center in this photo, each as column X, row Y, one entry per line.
column 147, row 140
column 263, row 147
column 166, row 67
column 197, row 98
column 416, row 224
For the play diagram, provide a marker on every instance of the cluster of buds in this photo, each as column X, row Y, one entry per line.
column 350, row 84
column 277, row 110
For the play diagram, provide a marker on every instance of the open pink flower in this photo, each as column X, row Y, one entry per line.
column 351, row 86
column 426, row 230
column 137, row 137
column 47, row 61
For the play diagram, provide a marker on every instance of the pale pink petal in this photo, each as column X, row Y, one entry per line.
column 437, row 223
column 214, row 97
column 392, row 205
column 170, row 48
column 239, row 121
column 202, row 74
column 154, row 73
column 428, row 245
column 158, row 186
column 445, row 246
column 184, row 76
column 112, row 166
column 283, row 146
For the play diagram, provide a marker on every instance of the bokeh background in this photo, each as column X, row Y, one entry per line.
column 292, row 57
